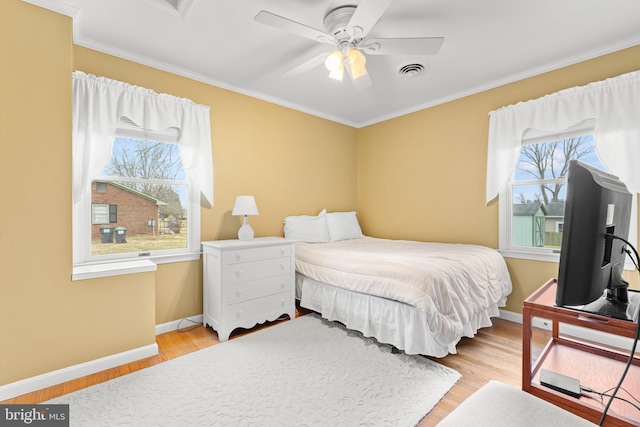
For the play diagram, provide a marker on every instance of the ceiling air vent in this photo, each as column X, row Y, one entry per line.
column 411, row 70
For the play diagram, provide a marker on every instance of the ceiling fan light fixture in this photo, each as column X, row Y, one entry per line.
column 357, row 63
column 335, row 65
column 346, row 29
column 336, row 74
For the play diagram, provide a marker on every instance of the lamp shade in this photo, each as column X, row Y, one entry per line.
column 245, row 205
column 335, row 65
column 356, row 63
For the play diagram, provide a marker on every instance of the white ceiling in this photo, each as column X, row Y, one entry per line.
column 487, row 43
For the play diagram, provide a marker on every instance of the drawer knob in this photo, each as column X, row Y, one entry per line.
column 281, row 267
column 282, row 251
column 238, row 273
column 282, row 284
column 239, row 293
column 238, row 313
column 238, row 256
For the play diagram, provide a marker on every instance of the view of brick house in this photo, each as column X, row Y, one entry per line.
column 116, row 205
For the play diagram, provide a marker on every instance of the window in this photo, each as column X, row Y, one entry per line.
column 532, row 220
column 146, row 178
column 144, row 195
column 101, row 187
column 531, row 223
column 604, row 113
column 137, row 190
column 99, row 213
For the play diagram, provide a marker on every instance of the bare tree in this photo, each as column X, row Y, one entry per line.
column 551, row 160
column 147, row 160
column 524, row 200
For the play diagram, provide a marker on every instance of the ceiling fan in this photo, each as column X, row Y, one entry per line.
column 346, row 28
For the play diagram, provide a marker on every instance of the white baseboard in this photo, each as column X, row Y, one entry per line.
column 511, row 316
column 52, row 378
column 575, row 331
column 178, row 324
column 49, row 379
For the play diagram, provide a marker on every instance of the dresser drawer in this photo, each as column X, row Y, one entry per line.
column 238, row 292
column 246, row 271
column 248, row 309
column 253, row 254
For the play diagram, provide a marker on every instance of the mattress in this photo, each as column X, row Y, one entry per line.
column 451, row 285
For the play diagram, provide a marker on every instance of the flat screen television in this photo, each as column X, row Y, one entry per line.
column 592, row 256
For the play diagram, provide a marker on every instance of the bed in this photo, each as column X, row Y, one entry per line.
column 419, row 297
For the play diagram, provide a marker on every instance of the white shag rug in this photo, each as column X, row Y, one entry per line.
column 304, row 372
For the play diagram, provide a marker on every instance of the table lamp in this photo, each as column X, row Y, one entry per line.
column 245, row 205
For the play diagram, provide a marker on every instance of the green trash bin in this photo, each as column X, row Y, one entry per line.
column 106, row 234
column 121, row 234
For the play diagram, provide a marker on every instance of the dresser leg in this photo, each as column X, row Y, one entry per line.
column 223, row 334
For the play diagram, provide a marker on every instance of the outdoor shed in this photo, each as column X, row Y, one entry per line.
column 529, row 224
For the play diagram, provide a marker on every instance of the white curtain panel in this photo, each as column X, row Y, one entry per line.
column 98, row 105
column 614, row 104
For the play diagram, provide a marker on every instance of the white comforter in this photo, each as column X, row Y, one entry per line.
column 450, row 283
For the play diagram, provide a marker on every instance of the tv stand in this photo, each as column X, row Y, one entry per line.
column 596, row 366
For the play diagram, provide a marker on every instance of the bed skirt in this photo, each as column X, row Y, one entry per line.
column 389, row 322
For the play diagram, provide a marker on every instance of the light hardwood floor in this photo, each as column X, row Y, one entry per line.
column 494, row 354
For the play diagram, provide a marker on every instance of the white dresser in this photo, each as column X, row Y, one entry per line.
column 247, row 282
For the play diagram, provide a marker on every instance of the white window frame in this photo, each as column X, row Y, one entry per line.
column 88, row 266
column 505, row 203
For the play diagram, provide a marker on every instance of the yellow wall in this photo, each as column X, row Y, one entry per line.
column 293, row 163
column 422, row 176
column 47, row 321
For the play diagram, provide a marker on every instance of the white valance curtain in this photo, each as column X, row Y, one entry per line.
column 98, row 105
column 613, row 103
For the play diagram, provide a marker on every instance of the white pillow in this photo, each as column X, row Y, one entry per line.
column 307, row 228
column 343, row 226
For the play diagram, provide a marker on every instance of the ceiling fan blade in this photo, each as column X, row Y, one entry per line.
column 307, row 65
column 366, row 16
column 286, row 24
column 407, row 46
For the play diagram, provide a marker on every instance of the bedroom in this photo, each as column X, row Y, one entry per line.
column 305, row 164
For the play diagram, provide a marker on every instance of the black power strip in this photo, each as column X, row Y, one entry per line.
column 561, row 383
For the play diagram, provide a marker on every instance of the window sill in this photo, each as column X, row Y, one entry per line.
column 532, row 256
column 108, row 269
column 131, row 266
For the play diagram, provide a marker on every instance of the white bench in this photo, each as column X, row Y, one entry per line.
column 500, row 405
